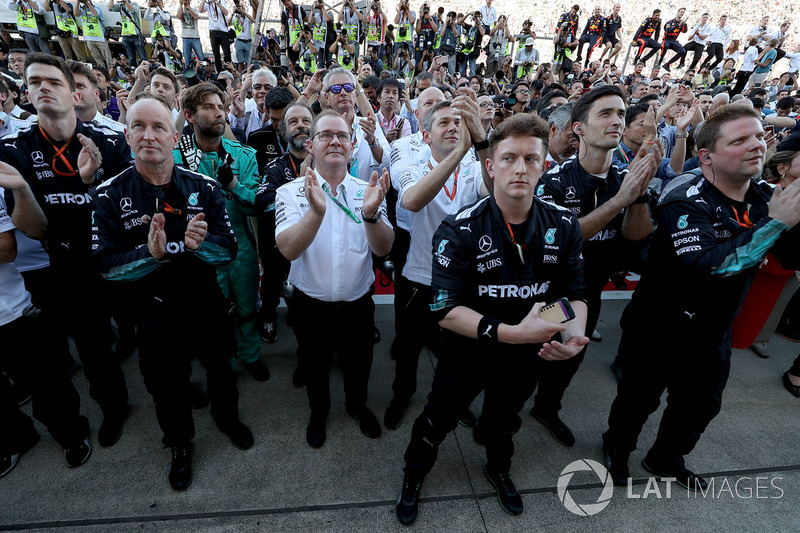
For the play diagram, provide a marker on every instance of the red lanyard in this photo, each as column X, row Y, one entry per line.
column 60, row 155
column 291, row 160
column 450, row 195
column 520, row 247
column 745, row 221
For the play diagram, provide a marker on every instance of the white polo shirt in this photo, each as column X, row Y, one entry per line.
column 337, row 266
column 462, row 189
column 702, row 30
column 14, row 299
column 216, row 19
column 363, row 163
column 110, row 123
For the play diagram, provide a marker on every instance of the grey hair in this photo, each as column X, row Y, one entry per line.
column 326, row 82
column 427, row 123
column 266, row 73
column 560, row 116
column 721, row 99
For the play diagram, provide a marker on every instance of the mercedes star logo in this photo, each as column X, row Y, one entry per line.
column 485, row 243
column 126, row 204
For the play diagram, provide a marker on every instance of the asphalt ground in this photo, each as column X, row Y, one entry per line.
column 351, row 484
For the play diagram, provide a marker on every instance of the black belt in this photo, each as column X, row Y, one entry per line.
column 245, row 40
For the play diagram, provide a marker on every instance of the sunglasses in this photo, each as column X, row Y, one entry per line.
column 336, row 89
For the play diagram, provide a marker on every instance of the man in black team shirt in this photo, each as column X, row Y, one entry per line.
column 672, row 29
column 64, row 160
column 647, row 37
column 592, row 34
column 612, row 34
column 612, row 212
column 713, row 230
column 494, row 266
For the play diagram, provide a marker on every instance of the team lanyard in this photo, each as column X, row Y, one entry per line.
column 623, row 154
column 520, row 247
column 450, row 195
column 327, row 189
column 744, row 221
column 60, row 155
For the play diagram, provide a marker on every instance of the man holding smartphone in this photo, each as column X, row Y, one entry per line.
column 495, row 265
column 393, row 126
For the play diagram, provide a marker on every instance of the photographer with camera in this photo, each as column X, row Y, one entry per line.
column 499, row 45
column 321, row 23
column 160, row 22
column 66, row 28
column 189, row 34
column 164, row 53
column 376, row 28
column 131, row 21
column 447, row 39
column 526, row 59
column 404, row 22
column 292, row 20
column 470, row 49
column 403, row 63
column 306, row 50
column 426, row 27
column 218, row 30
column 93, row 32
column 31, row 24
column 344, row 51
column 242, row 23
column 565, row 44
column 350, row 18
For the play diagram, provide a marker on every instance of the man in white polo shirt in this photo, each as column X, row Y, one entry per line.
column 328, row 224
column 449, row 181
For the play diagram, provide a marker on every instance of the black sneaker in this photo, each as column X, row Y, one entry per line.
column 268, row 330
column 407, row 506
column 616, row 462
column 180, row 472
column 683, row 476
column 467, row 418
column 9, row 462
column 258, row 370
column 197, row 396
column 366, row 421
column 507, row 494
column 111, row 429
column 240, row 435
column 78, row 454
column 666, row 67
column 557, row 428
column 793, row 389
column 394, row 413
column 315, row 431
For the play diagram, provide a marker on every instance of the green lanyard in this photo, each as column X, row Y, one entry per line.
column 327, row 189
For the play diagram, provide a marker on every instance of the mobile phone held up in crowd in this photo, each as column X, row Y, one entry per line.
column 557, row 312
column 769, row 129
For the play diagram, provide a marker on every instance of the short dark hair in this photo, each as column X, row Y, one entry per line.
column 19, row 51
column 194, row 96
column 656, row 11
column 424, row 76
column 390, row 82
column 757, row 92
column 163, row 71
column 47, row 59
column 278, row 98
column 758, row 103
column 647, row 98
column 707, row 136
column 584, row 103
column 373, row 82
column 544, row 101
column 102, row 70
column 76, row 67
column 786, row 102
column 520, row 125
column 633, row 112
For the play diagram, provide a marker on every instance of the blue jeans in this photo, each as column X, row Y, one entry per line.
column 133, row 45
column 462, row 66
column 242, row 50
column 189, row 44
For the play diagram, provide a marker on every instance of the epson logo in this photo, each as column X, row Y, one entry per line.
column 513, row 291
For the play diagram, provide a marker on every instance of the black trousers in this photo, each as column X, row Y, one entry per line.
column 27, row 356
column 507, row 377
column 587, row 38
column 795, row 370
column 741, row 81
column 324, row 328
column 172, row 334
column 275, row 267
column 220, row 40
column 556, row 376
column 415, row 327
column 646, row 42
column 715, row 50
column 680, row 51
column 693, row 375
column 81, row 306
column 697, row 53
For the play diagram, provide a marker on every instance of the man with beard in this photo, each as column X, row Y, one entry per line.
column 234, row 167
column 295, row 128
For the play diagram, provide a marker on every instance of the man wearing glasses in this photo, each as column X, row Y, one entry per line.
column 162, row 231
column 65, row 160
column 522, row 94
column 328, row 224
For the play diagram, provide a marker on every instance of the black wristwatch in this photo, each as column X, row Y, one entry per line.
column 373, row 220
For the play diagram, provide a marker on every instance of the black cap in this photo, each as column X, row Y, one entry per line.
column 790, row 144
